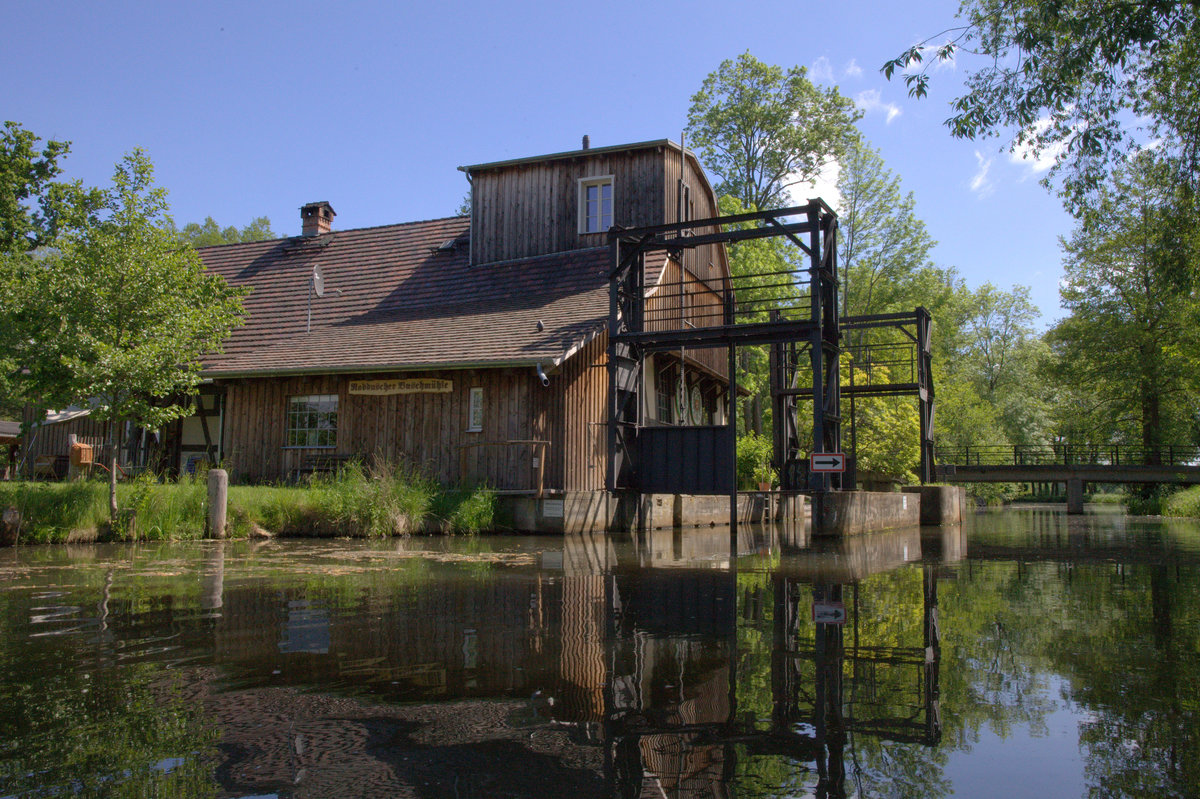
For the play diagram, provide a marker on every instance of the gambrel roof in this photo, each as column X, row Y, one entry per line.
column 405, row 297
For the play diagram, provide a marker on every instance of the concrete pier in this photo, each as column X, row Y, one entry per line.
column 848, row 513
column 940, row 504
column 599, row 511
column 1075, row 496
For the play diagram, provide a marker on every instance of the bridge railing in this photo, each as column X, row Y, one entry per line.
column 1069, row 454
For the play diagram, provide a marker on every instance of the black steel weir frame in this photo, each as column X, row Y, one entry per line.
column 795, row 312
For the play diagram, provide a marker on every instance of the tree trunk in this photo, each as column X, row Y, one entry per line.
column 1151, row 425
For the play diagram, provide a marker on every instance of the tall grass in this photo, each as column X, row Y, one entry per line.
column 1184, row 503
column 382, row 501
column 50, row 512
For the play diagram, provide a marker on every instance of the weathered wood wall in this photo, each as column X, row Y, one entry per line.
column 708, row 262
column 54, row 439
column 680, row 300
column 532, row 209
column 427, row 431
column 585, row 410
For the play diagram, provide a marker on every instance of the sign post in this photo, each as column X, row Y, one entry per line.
column 827, row 462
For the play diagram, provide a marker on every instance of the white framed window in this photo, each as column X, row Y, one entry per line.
column 595, row 204
column 475, row 411
column 312, row 421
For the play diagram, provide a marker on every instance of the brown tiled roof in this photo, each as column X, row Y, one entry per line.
column 405, row 303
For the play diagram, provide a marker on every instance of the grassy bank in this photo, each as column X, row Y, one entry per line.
column 1185, row 503
column 350, row 503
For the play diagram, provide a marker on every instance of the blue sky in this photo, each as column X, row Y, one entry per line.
column 255, row 108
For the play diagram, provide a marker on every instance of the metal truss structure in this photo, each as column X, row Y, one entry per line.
column 794, row 311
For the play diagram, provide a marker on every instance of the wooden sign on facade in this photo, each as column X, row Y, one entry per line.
column 380, row 388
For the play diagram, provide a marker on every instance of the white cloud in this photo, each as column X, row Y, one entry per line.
column 825, row 187
column 821, row 70
column 870, row 101
column 852, row 70
column 980, row 184
column 929, row 54
column 1037, row 163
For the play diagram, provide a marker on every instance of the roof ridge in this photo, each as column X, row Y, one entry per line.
column 338, row 232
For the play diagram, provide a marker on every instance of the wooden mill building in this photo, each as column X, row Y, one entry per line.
column 473, row 348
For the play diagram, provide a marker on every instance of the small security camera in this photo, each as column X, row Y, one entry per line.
column 541, row 373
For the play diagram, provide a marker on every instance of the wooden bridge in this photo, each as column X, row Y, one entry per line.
column 1073, row 465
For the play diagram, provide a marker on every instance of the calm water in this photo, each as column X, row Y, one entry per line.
column 1024, row 654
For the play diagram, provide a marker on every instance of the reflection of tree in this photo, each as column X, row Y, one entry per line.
column 124, row 731
column 1133, row 670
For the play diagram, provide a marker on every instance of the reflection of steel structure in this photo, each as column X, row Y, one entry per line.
column 670, row 721
column 917, row 721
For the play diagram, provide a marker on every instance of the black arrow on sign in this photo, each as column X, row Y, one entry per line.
column 817, row 461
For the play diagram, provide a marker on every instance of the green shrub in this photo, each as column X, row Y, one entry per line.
column 992, row 493
column 468, row 510
column 1149, row 500
column 753, row 458
column 1185, row 503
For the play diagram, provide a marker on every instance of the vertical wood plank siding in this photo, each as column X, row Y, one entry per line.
column 585, row 397
column 428, row 431
column 54, row 439
column 532, row 209
column 665, row 311
column 708, row 262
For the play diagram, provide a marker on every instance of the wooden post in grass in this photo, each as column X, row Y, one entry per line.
column 218, row 502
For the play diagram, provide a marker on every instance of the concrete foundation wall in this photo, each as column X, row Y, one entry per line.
column 599, row 511
column 846, row 513
column 857, row 512
column 940, row 504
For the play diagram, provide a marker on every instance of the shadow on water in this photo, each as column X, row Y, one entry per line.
column 907, row 663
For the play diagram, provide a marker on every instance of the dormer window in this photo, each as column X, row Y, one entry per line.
column 595, row 204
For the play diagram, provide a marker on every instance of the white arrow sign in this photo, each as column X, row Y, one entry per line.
column 828, row 461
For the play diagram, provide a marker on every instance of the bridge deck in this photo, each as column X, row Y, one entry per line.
column 1058, row 472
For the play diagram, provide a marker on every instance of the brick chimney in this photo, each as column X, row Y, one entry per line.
column 316, row 218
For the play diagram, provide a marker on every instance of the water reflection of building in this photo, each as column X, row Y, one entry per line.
column 629, row 659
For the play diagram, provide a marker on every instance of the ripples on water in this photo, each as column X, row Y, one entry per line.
column 1024, row 654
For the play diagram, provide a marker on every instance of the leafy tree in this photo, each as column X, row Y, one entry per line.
column 762, row 130
column 883, row 246
column 887, row 429
column 1134, row 326
column 118, row 314
column 1081, row 80
column 1000, row 326
column 210, row 233
column 32, row 207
